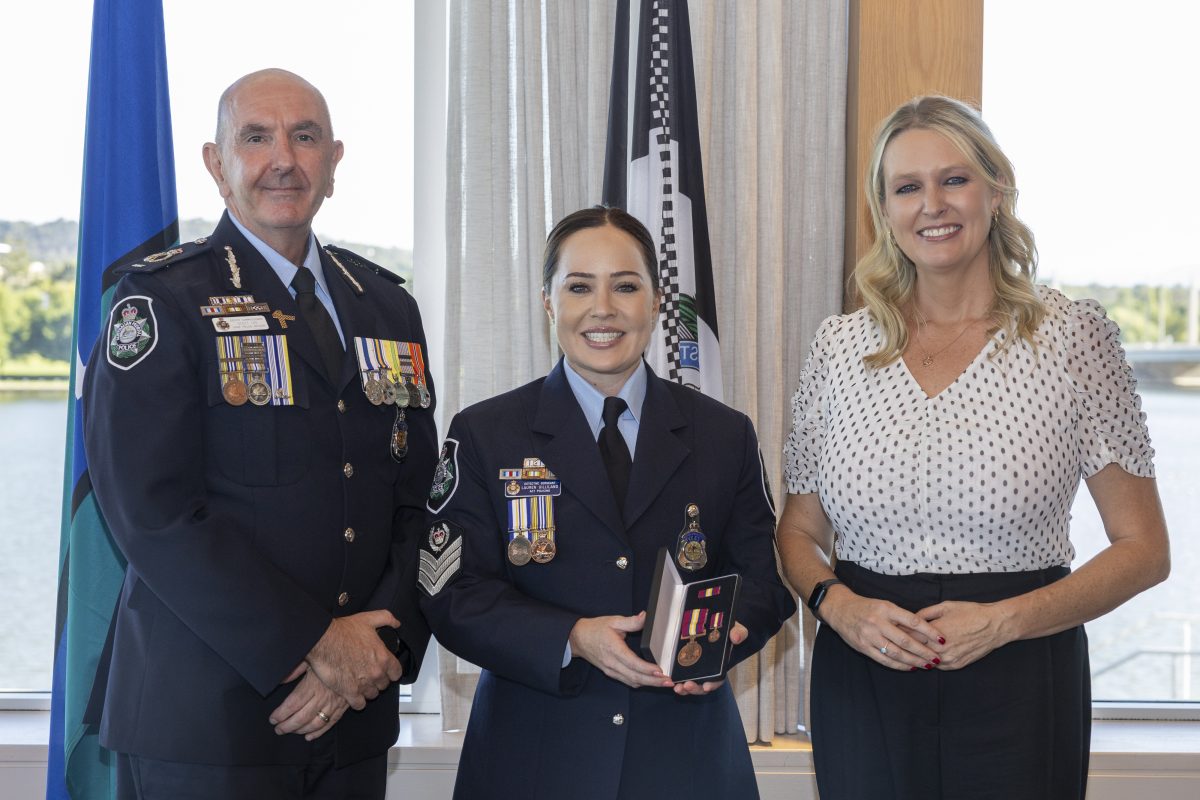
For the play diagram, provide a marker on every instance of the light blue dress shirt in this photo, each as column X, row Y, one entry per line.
column 286, row 270
column 592, row 402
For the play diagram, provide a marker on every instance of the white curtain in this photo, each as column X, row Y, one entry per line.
column 528, row 104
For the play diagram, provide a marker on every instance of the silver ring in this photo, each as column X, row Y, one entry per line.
column 882, row 650
column 324, row 717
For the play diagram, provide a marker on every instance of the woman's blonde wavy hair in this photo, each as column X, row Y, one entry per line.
column 885, row 278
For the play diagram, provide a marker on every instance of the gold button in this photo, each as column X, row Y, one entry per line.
column 343, row 598
column 342, row 406
column 618, row 719
column 622, row 562
column 349, row 534
column 348, row 470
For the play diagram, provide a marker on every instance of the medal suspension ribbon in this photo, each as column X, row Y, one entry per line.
column 693, row 623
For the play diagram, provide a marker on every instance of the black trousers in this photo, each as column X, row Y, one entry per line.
column 141, row 778
column 1015, row 724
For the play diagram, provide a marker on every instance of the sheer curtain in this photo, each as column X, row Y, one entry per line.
column 528, row 103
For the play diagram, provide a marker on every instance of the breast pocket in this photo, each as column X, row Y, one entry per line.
column 263, row 441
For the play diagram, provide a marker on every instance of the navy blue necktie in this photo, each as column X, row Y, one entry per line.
column 329, row 344
column 614, row 451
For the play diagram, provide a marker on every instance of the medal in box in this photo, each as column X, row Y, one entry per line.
column 687, row 624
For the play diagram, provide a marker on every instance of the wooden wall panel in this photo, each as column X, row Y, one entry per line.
column 899, row 49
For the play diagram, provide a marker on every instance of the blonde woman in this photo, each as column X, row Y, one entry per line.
column 939, row 437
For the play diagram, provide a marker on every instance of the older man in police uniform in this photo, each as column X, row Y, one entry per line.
column 258, row 419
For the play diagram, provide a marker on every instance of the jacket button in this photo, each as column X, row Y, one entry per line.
column 622, row 562
column 343, row 598
column 348, row 470
column 349, row 534
column 342, row 406
column 618, row 719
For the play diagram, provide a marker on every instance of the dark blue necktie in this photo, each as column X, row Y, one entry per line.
column 614, row 450
column 329, row 344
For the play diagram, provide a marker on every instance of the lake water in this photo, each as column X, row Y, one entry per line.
column 1133, row 648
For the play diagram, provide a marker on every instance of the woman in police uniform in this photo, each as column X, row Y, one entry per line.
column 539, row 561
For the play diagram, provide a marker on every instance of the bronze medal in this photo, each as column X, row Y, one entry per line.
column 690, row 653
column 519, row 551
column 714, row 634
column 543, row 549
column 234, row 392
column 260, row 393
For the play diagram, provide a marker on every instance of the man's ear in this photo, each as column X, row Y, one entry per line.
column 215, row 166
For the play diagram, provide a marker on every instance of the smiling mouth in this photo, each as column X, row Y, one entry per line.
column 603, row 337
column 939, row 233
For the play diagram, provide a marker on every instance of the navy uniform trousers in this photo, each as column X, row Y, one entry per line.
column 538, row 730
column 248, row 527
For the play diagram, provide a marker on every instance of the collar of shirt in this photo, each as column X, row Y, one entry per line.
column 592, row 402
column 286, row 270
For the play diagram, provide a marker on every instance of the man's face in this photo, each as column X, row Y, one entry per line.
column 275, row 159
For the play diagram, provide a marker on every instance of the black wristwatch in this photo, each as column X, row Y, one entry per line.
column 818, row 596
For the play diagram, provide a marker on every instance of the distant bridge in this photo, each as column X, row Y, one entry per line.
column 1166, row 364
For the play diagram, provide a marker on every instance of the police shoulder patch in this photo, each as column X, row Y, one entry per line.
column 132, row 331
column 445, row 477
column 441, row 556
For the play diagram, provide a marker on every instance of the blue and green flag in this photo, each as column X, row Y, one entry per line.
column 127, row 211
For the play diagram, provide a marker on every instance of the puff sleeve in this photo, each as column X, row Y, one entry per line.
column 1112, row 426
column 802, row 449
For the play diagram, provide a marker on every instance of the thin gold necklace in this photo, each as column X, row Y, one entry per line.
column 928, row 358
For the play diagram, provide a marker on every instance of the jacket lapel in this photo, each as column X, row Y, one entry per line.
column 356, row 315
column 571, row 452
column 660, row 450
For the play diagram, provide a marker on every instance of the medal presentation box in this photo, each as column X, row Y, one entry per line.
column 687, row 624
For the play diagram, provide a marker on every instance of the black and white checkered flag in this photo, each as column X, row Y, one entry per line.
column 653, row 170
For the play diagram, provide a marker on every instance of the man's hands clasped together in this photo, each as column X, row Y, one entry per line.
column 348, row 666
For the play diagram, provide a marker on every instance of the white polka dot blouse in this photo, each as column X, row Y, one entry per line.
column 981, row 477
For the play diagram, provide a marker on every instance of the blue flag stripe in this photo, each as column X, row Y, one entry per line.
column 127, row 211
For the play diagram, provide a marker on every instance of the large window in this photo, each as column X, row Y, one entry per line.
column 361, row 57
column 1092, row 101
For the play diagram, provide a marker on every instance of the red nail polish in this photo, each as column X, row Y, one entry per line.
column 912, row 669
column 937, row 661
column 929, row 666
column 941, row 640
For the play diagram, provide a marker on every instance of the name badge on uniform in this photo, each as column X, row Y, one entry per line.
column 257, row 322
column 255, row 369
column 530, row 491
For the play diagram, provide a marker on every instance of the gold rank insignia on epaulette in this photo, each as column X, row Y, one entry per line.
column 342, row 258
column 164, row 258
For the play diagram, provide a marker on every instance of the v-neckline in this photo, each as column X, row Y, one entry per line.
column 983, row 352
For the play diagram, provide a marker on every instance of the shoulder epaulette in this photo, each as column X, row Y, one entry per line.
column 342, row 256
column 174, row 255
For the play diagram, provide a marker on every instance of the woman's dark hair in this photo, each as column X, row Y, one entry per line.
column 597, row 217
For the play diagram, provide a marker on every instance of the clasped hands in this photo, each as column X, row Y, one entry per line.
column 601, row 642
column 946, row 636
column 348, row 666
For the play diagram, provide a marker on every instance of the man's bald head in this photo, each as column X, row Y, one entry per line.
column 262, row 80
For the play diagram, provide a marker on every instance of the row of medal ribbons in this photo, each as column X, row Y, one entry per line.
column 392, row 373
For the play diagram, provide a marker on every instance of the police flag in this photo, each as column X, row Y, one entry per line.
column 652, row 169
column 127, row 211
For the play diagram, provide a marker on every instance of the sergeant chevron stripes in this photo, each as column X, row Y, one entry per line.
column 436, row 571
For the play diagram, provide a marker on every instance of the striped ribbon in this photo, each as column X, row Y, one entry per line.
column 693, row 623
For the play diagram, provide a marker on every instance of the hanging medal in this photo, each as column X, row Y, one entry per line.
column 714, row 626
column 543, row 547
column 229, row 362
column 256, row 364
column 398, row 445
column 691, row 551
column 368, row 369
column 693, row 626
column 413, row 368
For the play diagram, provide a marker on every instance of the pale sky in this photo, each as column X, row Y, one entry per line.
column 357, row 52
column 1093, row 100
